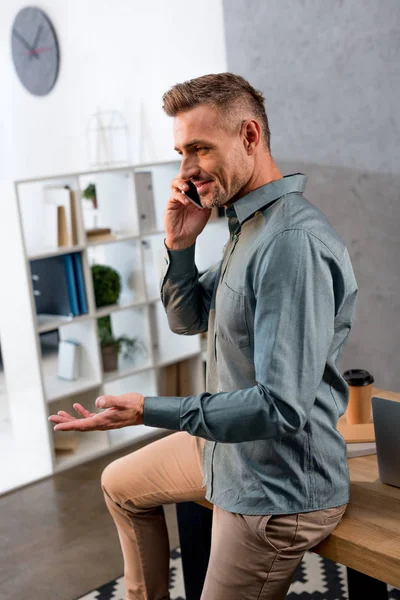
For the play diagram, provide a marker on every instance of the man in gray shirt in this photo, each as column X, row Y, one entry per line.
column 261, row 442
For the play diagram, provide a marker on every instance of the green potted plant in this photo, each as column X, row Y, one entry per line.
column 90, row 194
column 107, row 288
column 112, row 347
column 106, row 285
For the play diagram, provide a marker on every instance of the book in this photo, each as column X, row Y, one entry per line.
column 68, row 360
column 360, row 433
column 80, row 282
column 71, row 284
column 74, row 221
column 50, row 288
column 59, row 287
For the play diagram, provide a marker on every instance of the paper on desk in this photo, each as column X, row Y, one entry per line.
column 363, row 449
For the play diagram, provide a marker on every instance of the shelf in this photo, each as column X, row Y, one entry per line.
column 115, row 238
column 99, row 170
column 91, row 445
column 154, row 232
column 111, row 308
column 124, row 257
column 176, row 359
column 131, row 205
column 143, row 382
column 40, row 206
column 131, row 323
column 120, row 373
column 115, row 206
column 56, row 252
column 153, row 250
column 56, row 388
column 51, row 322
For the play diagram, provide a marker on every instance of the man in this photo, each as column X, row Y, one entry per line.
column 263, row 445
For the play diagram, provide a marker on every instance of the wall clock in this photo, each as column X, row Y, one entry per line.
column 35, row 50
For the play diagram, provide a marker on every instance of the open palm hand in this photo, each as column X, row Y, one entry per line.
column 120, row 411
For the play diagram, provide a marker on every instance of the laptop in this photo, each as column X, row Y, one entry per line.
column 386, row 416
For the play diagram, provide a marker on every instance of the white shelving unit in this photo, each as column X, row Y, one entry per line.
column 131, row 201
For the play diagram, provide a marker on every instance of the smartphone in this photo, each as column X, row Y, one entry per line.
column 192, row 195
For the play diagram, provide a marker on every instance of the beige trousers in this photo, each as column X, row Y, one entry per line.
column 252, row 557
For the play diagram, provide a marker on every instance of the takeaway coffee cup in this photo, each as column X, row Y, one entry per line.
column 360, row 385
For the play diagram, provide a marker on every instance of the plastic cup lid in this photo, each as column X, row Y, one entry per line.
column 358, row 377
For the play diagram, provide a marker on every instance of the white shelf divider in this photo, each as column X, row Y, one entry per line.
column 121, row 373
column 107, row 310
column 91, row 445
column 118, row 237
column 51, row 322
column 57, row 252
column 57, row 389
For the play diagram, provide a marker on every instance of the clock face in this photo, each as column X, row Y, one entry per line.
column 35, row 50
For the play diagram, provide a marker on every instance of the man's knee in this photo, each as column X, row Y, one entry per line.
column 112, row 480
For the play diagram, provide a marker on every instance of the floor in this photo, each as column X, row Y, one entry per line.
column 57, row 539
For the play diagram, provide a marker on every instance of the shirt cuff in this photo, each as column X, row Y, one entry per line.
column 162, row 411
column 179, row 262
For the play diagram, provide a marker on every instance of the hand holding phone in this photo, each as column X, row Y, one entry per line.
column 192, row 195
column 182, row 222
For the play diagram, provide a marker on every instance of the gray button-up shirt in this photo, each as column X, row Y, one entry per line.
column 278, row 309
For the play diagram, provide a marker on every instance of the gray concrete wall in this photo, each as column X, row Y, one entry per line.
column 330, row 72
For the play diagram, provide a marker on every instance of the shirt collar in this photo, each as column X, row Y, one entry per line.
column 246, row 207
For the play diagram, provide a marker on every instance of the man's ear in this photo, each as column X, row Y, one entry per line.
column 251, row 135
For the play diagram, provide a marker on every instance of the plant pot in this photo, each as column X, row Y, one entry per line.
column 109, row 356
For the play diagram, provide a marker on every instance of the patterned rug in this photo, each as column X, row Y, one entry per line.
column 316, row 578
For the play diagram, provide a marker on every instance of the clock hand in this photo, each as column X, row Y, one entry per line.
column 38, row 50
column 23, row 41
column 37, row 36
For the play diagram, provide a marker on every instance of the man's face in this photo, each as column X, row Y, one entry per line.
column 213, row 158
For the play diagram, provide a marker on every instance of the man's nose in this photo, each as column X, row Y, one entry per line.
column 189, row 169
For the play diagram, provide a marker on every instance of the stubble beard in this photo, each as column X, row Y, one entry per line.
column 220, row 196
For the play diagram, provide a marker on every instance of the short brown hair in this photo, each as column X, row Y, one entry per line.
column 223, row 91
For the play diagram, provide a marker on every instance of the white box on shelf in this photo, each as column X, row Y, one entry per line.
column 145, row 201
column 68, row 360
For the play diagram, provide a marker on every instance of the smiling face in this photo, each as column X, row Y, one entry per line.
column 214, row 157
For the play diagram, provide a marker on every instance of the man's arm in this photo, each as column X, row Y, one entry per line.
column 293, row 329
column 186, row 297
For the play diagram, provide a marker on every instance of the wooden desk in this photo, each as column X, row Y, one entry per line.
column 367, row 541
column 368, row 538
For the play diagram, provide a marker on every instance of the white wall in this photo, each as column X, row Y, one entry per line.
column 120, row 55
column 114, row 55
